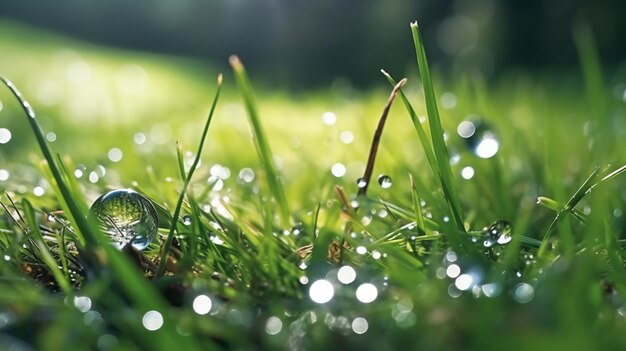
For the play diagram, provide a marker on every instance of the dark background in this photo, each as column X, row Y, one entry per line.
column 308, row 44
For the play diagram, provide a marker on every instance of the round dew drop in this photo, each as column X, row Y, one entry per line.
column 384, row 181
column 127, row 217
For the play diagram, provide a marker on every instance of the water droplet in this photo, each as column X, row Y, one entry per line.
column 273, row 325
column 82, row 303
column 366, row 293
column 115, row 154
column 246, row 175
column 5, row 135
column 361, row 183
column 127, row 217
column 479, row 137
column 338, row 170
column 321, row 291
column 38, row 191
column 152, row 320
column 202, row 304
column 346, row 275
column 448, row 100
column 384, row 181
column 523, row 293
column 187, row 220
column 346, row 137
column 359, row 325
column 498, row 232
column 51, row 137
column 453, row 271
column 329, row 118
column 467, row 172
column 4, row 175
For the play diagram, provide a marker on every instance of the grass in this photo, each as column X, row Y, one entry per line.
column 267, row 223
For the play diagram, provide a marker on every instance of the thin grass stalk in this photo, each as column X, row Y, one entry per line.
column 165, row 250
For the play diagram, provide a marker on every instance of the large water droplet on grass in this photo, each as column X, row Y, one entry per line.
column 498, row 232
column 479, row 137
column 384, row 181
column 127, row 217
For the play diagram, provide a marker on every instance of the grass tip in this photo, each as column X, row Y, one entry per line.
column 414, row 24
column 235, row 62
column 220, row 79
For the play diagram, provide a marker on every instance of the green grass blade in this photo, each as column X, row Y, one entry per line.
column 436, row 132
column 263, row 149
column 179, row 204
column 424, row 138
column 46, row 255
column 419, row 216
column 371, row 159
column 181, row 161
column 573, row 201
column 72, row 203
column 143, row 296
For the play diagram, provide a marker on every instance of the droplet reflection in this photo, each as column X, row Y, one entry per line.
column 384, row 181
column 321, row 291
column 202, row 304
column 152, row 320
column 479, row 137
column 366, row 293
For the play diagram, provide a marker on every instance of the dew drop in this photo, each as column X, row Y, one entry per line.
column 187, row 220
column 4, row 175
column 498, row 232
column 479, row 137
column 5, row 135
column 523, row 293
column 384, row 181
column 361, row 183
column 127, row 217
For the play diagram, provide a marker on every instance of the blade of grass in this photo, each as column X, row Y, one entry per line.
column 75, row 209
column 371, row 159
column 274, row 184
column 573, row 201
column 165, row 250
column 555, row 206
column 142, row 295
column 423, row 137
column 181, row 160
column 436, row 132
column 419, row 216
column 46, row 256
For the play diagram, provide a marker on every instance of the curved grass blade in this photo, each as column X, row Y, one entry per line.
column 573, row 201
column 436, row 132
column 263, row 149
column 371, row 159
column 165, row 250
column 424, row 138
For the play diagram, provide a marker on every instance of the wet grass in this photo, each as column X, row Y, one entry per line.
column 470, row 247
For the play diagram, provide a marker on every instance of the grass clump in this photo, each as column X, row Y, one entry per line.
column 456, row 254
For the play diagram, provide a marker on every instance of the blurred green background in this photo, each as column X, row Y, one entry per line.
column 303, row 44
